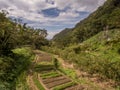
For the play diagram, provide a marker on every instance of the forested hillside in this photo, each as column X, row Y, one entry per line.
column 14, row 34
column 105, row 17
column 14, row 60
column 63, row 37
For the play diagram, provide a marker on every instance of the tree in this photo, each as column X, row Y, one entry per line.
column 7, row 32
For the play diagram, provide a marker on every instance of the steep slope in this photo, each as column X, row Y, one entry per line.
column 106, row 17
column 100, row 54
column 62, row 33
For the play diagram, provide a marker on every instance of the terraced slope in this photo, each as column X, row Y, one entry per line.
column 44, row 76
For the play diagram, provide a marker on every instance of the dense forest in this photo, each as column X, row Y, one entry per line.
column 15, row 35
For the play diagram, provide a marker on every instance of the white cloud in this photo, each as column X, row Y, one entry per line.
column 69, row 15
column 79, row 5
column 52, row 33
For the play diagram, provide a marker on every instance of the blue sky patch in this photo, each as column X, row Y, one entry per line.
column 51, row 12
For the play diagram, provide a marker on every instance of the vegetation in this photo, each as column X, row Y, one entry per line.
column 47, row 74
column 14, row 61
column 44, row 66
column 69, row 72
column 63, row 86
column 27, row 59
column 62, row 42
column 94, row 43
column 50, row 75
column 105, row 18
column 37, row 83
column 21, row 83
column 96, row 55
column 13, row 34
column 56, row 63
column 13, row 67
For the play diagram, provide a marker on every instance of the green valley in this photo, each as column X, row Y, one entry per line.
column 85, row 57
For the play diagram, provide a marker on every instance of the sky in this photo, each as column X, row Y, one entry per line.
column 52, row 15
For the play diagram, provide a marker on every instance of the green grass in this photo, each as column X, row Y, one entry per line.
column 21, row 83
column 50, row 75
column 69, row 72
column 45, row 63
column 72, row 74
column 37, row 83
column 82, row 81
column 40, row 68
column 44, row 66
column 97, row 55
column 63, row 86
column 14, row 67
column 24, row 56
column 25, row 51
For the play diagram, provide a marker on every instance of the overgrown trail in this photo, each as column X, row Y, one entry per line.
column 42, row 71
column 44, row 76
column 30, row 81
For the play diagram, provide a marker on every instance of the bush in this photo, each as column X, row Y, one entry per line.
column 12, row 67
column 56, row 63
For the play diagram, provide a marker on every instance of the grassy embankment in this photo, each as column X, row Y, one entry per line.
column 27, row 58
column 13, row 69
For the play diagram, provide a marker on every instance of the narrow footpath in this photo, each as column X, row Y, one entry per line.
column 44, row 76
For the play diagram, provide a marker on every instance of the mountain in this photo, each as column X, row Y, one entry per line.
column 106, row 17
column 63, row 37
column 93, row 45
column 99, row 54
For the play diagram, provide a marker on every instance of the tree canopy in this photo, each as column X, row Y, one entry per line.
column 13, row 34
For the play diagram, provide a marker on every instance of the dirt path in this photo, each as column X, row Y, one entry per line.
column 48, row 84
column 64, row 64
column 39, row 56
column 30, row 81
column 40, row 80
column 51, row 82
column 95, row 79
